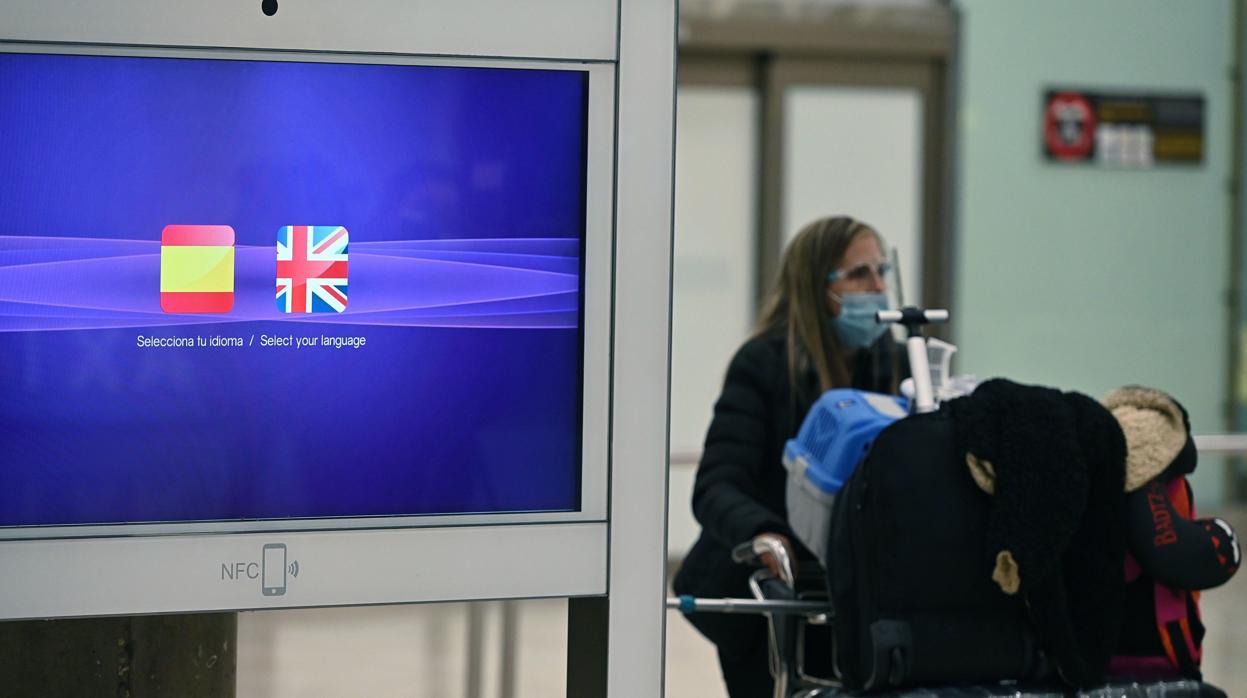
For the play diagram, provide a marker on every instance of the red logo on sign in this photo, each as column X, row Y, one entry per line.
column 1069, row 126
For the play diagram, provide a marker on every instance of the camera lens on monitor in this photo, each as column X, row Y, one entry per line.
column 269, row 7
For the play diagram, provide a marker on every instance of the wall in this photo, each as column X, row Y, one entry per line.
column 1082, row 277
column 857, row 151
column 712, row 294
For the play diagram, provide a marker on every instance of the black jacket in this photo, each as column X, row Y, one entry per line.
column 740, row 486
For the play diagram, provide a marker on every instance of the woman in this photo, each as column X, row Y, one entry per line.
column 817, row 331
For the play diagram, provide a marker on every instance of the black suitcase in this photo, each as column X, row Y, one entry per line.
column 913, row 602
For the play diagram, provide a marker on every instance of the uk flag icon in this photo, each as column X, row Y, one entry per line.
column 312, row 268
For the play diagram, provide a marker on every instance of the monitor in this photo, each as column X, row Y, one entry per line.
column 298, row 325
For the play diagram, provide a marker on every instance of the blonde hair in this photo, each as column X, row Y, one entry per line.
column 798, row 301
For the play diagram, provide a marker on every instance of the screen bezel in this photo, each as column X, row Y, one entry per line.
column 595, row 316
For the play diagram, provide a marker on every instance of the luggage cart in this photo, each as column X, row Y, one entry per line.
column 789, row 611
column 791, row 608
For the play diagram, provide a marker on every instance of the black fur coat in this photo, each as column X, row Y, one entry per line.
column 1055, row 464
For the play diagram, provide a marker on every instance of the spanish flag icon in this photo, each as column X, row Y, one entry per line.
column 197, row 269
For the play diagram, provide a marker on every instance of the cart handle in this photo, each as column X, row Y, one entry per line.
column 691, row 604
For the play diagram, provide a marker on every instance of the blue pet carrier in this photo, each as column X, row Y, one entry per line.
column 834, row 437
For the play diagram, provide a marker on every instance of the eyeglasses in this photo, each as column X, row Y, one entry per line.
column 860, row 272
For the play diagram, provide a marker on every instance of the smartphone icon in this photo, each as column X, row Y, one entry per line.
column 273, row 580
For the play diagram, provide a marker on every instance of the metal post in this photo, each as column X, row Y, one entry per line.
column 1235, row 478
column 641, row 356
column 587, row 625
column 507, row 659
column 475, row 660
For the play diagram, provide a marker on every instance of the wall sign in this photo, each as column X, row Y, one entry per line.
column 1122, row 129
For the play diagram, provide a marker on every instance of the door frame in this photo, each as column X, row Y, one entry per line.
column 772, row 48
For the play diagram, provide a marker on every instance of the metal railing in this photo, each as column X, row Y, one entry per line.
column 1221, row 443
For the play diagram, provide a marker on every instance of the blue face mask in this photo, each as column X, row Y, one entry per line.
column 855, row 325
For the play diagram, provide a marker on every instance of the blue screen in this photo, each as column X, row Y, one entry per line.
column 424, row 356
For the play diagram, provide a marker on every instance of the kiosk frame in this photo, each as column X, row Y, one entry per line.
column 609, row 558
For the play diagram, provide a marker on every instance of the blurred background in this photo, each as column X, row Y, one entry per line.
column 1062, row 264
